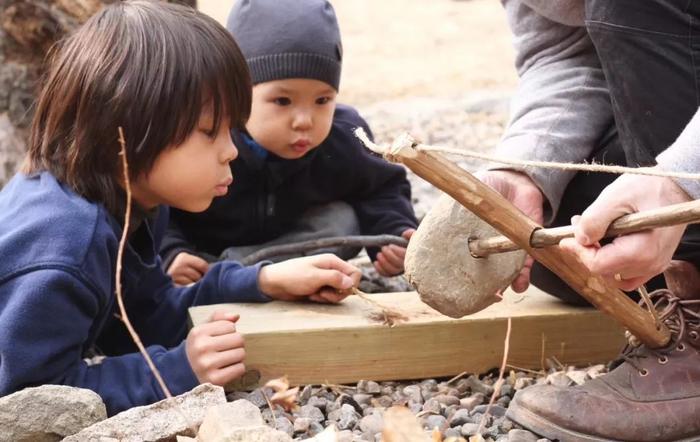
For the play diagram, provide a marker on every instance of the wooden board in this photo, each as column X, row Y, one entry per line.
column 314, row 343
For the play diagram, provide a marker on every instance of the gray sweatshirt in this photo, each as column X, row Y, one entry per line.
column 562, row 106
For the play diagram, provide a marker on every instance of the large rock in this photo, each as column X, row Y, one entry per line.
column 164, row 420
column 445, row 274
column 48, row 413
column 251, row 434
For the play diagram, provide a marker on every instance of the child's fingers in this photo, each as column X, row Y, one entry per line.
column 332, row 262
column 395, row 255
column 227, row 374
column 196, row 263
column 187, row 273
column 386, row 263
column 222, row 315
column 217, row 328
column 226, row 358
column 317, row 298
column 333, row 278
column 182, row 280
column 227, row 342
column 332, row 296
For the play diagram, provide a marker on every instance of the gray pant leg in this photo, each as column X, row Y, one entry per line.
column 334, row 219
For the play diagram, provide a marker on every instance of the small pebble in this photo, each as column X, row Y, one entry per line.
column 446, row 399
column 495, row 410
column 311, row 412
column 349, row 417
column 413, row 392
column 301, row 425
column 372, row 424
column 478, row 386
column 472, row 401
column 432, row 406
column 460, row 418
column 521, row 436
column 435, row 421
column 469, row 429
column 305, row 394
column 283, row 424
column 363, row 399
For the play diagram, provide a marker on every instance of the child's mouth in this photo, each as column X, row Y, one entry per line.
column 301, row 146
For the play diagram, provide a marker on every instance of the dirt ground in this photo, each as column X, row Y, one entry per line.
column 416, row 48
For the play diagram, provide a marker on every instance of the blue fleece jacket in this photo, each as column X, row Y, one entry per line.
column 57, row 297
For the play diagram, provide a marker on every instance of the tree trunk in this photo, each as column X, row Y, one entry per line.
column 28, row 28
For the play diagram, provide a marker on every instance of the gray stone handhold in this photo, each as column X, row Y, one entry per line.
column 48, row 413
column 445, row 274
column 160, row 421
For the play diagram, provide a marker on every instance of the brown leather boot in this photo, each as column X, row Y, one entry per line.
column 654, row 395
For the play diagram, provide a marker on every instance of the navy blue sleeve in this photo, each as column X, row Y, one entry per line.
column 162, row 307
column 46, row 319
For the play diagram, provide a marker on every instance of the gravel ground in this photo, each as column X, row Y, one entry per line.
column 455, row 406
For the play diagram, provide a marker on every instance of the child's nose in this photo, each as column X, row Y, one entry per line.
column 230, row 151
column 302, row 121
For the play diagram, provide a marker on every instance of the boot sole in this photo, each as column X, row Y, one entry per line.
column 543, row 427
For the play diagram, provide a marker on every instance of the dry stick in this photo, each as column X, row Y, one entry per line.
column 499, row 382
column 322, row 243
column 120, row 255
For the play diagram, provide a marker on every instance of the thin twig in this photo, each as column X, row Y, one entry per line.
column 120, row 255
column 581, row 167
column 459, row 376
column 526, row 370
column 499, row 382
column 323, row 243
column 269, row 405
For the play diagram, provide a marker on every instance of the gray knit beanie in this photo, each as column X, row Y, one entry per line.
column 288, row 39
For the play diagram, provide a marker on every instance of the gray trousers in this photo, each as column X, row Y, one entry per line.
column 334, row 219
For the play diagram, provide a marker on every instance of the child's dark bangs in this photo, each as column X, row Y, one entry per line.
column 222, row 80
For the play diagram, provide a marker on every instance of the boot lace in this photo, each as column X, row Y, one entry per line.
column 681, row 316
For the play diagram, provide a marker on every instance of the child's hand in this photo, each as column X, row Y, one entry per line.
column 215, row 350
column 321, row 278
column 187, row 269
column 390, row 258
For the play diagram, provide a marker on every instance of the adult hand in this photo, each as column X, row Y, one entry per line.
column 390, row 258
column 321, row 278
column 630, row 260
column 215, row 350
column 524, row 194
column 187, row 269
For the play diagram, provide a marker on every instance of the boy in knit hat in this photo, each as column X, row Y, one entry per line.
column 301, row 174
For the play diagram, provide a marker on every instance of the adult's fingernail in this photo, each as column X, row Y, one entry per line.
column 347, row 282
